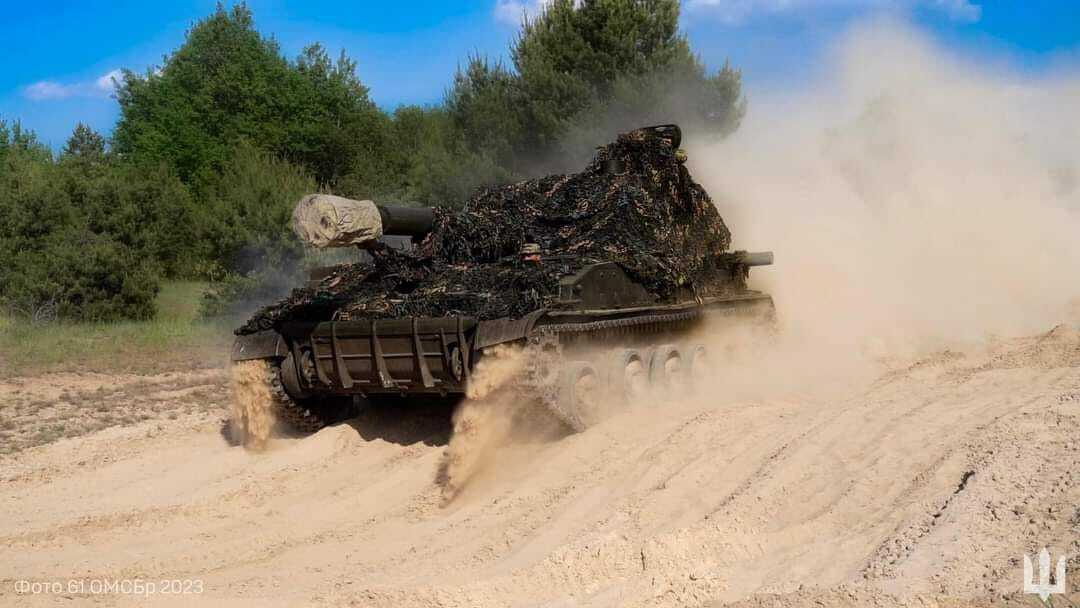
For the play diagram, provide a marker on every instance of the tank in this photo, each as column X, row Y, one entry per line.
column 600, row 278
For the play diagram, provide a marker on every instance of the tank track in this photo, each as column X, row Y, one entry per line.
column 642, row 323
column 546, row 344
column 541, row 377
column 287, row 409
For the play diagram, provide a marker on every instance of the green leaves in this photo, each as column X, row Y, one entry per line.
column 249, row 208
column 228, row 83
column 585, row 70
column 55, row 264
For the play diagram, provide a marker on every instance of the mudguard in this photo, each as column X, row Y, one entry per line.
column 266, row 344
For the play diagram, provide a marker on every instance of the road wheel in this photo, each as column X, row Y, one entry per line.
column 698, row 367
column 666, row 373
column 580, row 394
column 629, row 375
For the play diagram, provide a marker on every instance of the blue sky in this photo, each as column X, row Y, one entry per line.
column 59, row 54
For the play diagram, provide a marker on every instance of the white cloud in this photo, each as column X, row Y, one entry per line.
column 511, row 12
column 105, row 83
column 735, row 12
column 45, row 90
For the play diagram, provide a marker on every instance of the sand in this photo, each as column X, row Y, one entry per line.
column 927, row 483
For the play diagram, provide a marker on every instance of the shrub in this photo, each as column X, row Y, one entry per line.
column 55, row 266
column 250, row 209
column 80, row 276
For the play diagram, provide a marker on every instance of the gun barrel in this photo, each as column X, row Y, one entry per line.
column 757, row 258
column 406, row 221
column 325, row 220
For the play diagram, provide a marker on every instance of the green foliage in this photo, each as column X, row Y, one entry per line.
column 237, row 296
column 55, row 265
column 573, row 54
column 15, row 138
column 84, row 145
column 145, row 208
column 228, row 83
column 486, row 103
column 583, row 71
column 441, row 168
column 225, row 82
column 250, row 205
column 337, row 130
column 80, row 276
column 702, row 106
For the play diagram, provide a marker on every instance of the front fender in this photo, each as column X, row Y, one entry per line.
column 266, row 344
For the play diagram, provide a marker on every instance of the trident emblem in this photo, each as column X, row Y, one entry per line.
column 1043, row 588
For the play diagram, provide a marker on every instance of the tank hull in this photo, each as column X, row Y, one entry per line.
column 437, row 355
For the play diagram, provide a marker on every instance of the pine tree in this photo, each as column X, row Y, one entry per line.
column 584, row 70
column 84, row 143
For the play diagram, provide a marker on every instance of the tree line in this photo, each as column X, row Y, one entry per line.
column 212, row 148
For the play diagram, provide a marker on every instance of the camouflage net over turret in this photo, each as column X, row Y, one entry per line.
column 634, row 204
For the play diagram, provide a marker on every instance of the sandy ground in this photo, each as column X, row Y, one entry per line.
column 924, row 487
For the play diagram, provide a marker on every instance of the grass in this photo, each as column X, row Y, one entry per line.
column 175, row 338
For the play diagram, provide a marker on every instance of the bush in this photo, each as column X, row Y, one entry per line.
column 55, row 266
column 250, row 207
column 146, row 208
column 440, row 168
column 80, row 276
column 212, row 150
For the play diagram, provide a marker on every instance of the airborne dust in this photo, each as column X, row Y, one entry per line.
column 251, row 415
column 493, row 416
column 915, row 201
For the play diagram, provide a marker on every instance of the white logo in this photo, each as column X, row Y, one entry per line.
column 1043, row 588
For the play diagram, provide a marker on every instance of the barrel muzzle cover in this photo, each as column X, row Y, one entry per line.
column 325, row 220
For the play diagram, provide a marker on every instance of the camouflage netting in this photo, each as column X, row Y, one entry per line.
column 634, row 204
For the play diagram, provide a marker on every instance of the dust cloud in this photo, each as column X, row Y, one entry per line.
column 494, row 426
column 482, row 421
column 251, row 415
column 914, row 199
column 500, row 364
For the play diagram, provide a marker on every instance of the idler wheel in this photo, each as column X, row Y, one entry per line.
column 303, row 414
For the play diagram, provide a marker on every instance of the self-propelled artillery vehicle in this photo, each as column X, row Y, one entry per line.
column 602, row 278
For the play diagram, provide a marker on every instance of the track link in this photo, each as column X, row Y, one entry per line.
column 297, row 415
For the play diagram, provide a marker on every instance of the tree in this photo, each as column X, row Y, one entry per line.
column 583, row 71
column 339, row 129
column 85, row 144
column 486, row 103
column 15, row 138
column 441, row 168
column 55, row 265
column 228, row 83
column 225, row 82
column 250, row 206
